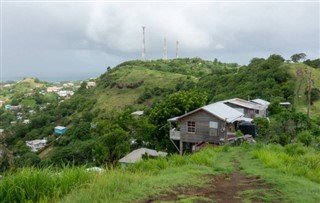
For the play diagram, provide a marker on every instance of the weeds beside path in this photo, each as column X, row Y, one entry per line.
column 232, row 188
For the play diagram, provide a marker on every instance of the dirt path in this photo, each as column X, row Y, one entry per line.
column 232, row 188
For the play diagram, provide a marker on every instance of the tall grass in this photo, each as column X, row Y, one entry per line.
column 292, row 159
column 140, row 180
column 153, row 176
column 41, row 185
column 206, row 157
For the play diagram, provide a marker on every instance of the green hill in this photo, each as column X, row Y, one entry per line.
column 102, row 113
column 137, row 82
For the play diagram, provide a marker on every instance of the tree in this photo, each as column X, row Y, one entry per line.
column 297, row 57
column 111, row 147
column 313, row 63
column 173, row 105
column 314, row 94
column 27, row 159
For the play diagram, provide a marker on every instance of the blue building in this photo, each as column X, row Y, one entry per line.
column 60, row 130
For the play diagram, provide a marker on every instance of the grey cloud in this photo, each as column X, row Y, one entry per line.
column 84, row 38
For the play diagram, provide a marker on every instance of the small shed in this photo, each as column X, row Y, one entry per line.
column 139, row 154
column 60, row 130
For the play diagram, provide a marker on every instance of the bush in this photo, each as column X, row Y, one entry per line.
column 305, row 137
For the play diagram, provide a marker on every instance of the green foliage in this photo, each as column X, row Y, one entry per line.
column 298, row 57
column 305, row 137
column 173, row 105
column 314, row 94
column 239, row 133
column 287, row 125
column 112, row 146
column 313, row 63
column 75, row 153
column 262, row 126
column 262, row 78
column 177, row 104
column 41, row 185
column 148, row 93
column 26, row 160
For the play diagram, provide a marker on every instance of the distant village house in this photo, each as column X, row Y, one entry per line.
column 65, row 93
column 53, row 89
column 36, row 145
column 139, row 154
column 12, row 108
column 60, row 130
column 91, row 84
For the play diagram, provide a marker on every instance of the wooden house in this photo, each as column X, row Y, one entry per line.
column 248, row 108
column 210, row 124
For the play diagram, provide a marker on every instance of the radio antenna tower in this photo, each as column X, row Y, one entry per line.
column 143, row 44
column 165, row 56
column 177, row 49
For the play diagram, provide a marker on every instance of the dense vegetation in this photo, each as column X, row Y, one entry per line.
column 101, row 128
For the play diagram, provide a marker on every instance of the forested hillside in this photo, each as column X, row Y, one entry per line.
column 101, row 128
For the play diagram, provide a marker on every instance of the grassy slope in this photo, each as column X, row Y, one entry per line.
column 115, row 97
column 282, row 168
column 300, row 97
column 23, row 86
column 117, row 186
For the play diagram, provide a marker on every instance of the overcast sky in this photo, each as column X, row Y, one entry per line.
column 81, row 39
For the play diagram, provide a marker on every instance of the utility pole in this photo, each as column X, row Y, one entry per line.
column 143, row 44
column 165, row 56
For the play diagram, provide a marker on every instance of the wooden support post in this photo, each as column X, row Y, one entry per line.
column 181, row 147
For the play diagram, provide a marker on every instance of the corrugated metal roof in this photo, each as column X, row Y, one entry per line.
column 223, row 111
column 60, row 127
column 219, row 109
column 245, row 119
column 137, row 154
column 262, row 102
column 173, row 119
column 244, row 103
column 138, row 113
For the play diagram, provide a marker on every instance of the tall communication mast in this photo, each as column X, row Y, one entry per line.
column 165, row 56
column 143, row 44
column 177, row 49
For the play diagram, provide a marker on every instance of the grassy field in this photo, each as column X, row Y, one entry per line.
column 281, row 174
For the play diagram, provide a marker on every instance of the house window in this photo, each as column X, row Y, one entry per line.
column 213, row 128
column 191, row 127
column 213, row 124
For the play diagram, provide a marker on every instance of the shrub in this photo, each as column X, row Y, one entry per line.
column 305, row 137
